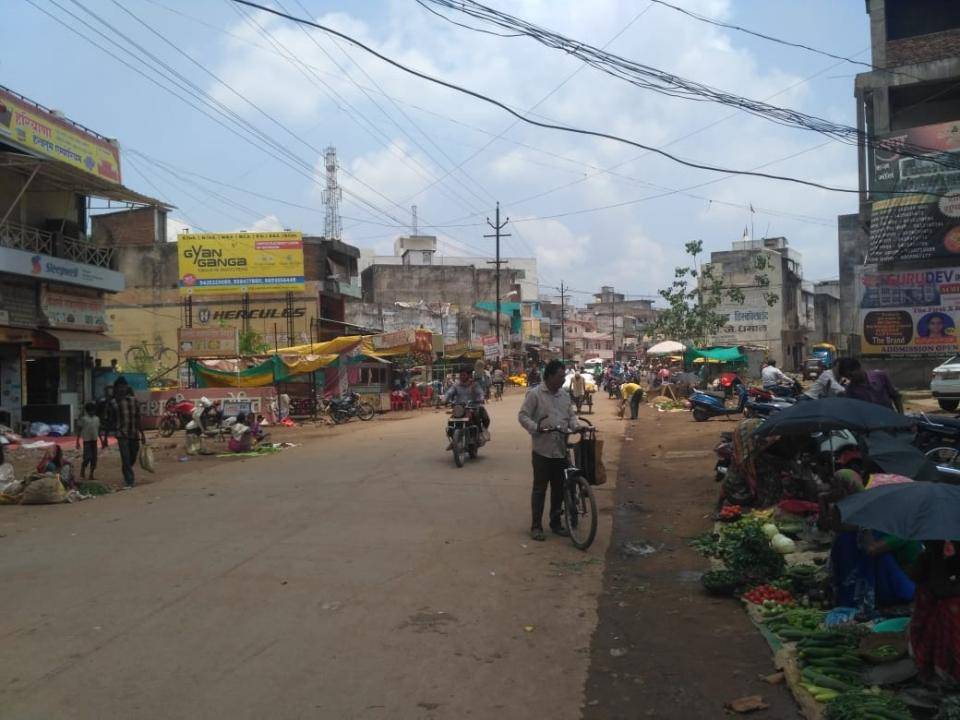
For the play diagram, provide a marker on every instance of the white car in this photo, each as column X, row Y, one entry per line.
column 945, row 385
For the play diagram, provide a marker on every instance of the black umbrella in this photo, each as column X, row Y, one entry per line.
column 810, row 416
column 911, row 511
column 898, row 457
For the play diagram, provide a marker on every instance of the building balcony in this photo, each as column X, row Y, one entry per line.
column 35, row 240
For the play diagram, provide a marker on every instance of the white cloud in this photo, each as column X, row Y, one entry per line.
column 269, row 223
column 634, row 246
column 175, row 227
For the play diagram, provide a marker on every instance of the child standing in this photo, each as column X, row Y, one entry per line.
column 89, row 426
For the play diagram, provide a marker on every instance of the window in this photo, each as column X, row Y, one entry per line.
column 910, row 18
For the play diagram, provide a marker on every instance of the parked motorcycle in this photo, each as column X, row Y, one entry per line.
column 175, row 416
column 791, row 390
column 760, row 407
column 348, row 406
column 707, row 405
column 936, row 431
column 464, row 432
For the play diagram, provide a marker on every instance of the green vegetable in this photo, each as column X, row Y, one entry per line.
column 863, row 705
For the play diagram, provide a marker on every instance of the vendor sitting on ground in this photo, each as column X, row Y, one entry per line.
column 241, row 436
column 54, row 462
column 866, row 575
column 934, row 628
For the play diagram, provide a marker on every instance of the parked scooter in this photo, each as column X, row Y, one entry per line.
column 759, row 407
column 936, row 431
column 791, row 390
column 707, row 405
column 464, row 432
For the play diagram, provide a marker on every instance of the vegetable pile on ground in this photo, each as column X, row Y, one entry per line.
column 745, row 549
column 864, row 705
column 769, row 597
column 730, row 513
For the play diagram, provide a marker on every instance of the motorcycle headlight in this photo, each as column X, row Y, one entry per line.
column 459, row 411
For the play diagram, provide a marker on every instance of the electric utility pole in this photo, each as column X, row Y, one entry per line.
column 563, row 325
column 497, row 227
column 613, row 322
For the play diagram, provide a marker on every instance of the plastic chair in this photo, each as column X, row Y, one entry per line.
column 396, row 400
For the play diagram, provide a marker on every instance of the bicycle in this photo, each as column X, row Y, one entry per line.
column 579, row 505
column 498, row 391
column 145, row 355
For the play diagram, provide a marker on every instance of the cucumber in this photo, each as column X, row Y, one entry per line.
column 828, row 682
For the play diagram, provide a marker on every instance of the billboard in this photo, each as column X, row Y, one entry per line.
column 254, row 262
column 921, row 219
column 912, row 313
column 73, row 308
column 41, row 132
column 205, row 342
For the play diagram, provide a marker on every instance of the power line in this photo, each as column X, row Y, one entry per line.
column 665, row 83
column 547, row 125
column 780, row 41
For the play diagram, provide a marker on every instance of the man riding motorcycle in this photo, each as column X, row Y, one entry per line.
column 467, row 390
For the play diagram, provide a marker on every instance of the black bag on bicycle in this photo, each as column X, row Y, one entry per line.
column 590, row 459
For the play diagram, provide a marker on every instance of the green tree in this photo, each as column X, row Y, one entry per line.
column 697, row 291
column 252, row 343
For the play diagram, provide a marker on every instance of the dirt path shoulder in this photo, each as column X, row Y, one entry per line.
column 662, row 647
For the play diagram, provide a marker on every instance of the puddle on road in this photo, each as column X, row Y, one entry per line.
column 637, row 548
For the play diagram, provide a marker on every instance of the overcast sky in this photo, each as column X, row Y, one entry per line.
column 400, row 139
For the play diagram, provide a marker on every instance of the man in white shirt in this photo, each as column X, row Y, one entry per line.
column 772, row 376
column 825, row 386
column 548, row 406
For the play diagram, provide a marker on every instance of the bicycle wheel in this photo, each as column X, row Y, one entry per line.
column 456, row 445
column 365, row 411
column 580, row 509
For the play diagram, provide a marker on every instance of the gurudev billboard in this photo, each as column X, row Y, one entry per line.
column 240, row 263
column 911, row 313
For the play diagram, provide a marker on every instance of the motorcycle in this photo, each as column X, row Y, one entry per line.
column 348, row 406
column 936, row 431
column 706, row 405
column 785, row 391
column 464, row 432
column 765, row 407
column 175, row 416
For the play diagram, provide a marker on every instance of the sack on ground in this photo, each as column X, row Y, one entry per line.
column 146, row 458
column 600, row 470
column 43, row 489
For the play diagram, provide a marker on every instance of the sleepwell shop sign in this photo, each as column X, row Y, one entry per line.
column 44, row 267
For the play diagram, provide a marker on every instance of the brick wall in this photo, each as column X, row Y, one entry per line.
column 923, row 48
column 132, row 227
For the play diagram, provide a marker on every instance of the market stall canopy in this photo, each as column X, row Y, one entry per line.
column 667, row 347
column 810, row 416
column 729, row 355
column 910, row 511
column 897, row 456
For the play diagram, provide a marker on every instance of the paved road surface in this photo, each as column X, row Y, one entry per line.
column 356, row 576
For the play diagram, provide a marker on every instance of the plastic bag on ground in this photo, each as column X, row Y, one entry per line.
column 43, row 489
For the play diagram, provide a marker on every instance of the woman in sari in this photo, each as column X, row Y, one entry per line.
column 935, row 625
column 865, row 572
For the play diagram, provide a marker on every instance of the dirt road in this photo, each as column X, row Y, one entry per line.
column 357, row 576
column 663, row 648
